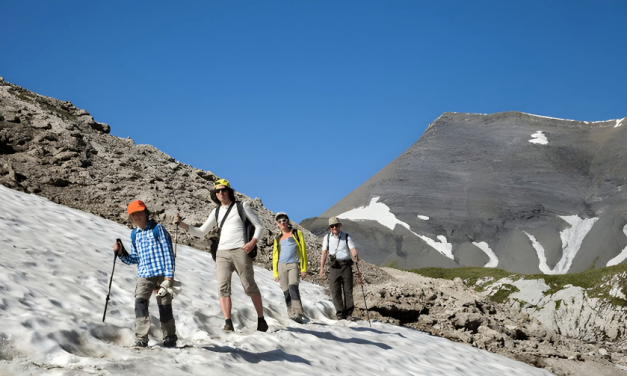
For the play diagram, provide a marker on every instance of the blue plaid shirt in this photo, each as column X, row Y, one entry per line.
column 154, row 257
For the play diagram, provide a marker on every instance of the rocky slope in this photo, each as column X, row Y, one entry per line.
column 520, row 192
column 596, row 313
column 451, row 310
column 53, row 149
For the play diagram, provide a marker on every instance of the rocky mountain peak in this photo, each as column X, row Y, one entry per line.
column 508, row 189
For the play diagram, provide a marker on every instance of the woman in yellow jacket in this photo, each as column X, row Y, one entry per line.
column 289, row 257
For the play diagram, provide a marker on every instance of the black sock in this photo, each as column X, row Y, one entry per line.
column 228, row 321
column 260, row 319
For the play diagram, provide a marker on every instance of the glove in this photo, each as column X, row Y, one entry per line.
column 169, row 287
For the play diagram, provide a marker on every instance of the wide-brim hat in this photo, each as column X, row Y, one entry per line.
column 334, row 221
column 220, row 183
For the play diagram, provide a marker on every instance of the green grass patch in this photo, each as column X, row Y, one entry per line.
column 558, row 303
column 63, row 113
column 391, row 264
column 504, row 292
column 25, row 98
column 469, row 274
column 595, row 281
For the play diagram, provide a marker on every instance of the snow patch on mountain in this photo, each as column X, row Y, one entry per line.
column 539, row 138
column 621, row 256
column 423, row 217
column 442, row 246
column 572, row 239
column 571, row 242
column 375, row 211
column 380, row 212
column 544, row 267
column 485, row 247
column 619, row 122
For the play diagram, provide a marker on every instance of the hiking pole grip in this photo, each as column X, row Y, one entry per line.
column 361, row 282
column 115, row 257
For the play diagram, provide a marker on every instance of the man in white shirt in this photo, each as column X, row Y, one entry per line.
column 340, row 249
column 232, row 254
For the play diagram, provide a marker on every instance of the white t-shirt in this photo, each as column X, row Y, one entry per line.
column 232, row 234
column 337, row 245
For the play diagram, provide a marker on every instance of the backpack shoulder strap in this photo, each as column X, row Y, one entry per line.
column 296, row 236
column 217, row 211
column 328, row 238
column 347, row 247
column 240, row 211
column 225, row 215
column 133, row 237
column 155, row 233
column 244, row 218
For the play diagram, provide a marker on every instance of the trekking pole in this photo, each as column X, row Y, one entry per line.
column 361, row 282
column 115, row 257
column 176, row 238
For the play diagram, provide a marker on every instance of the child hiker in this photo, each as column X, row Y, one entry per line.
column 289, row 259
column 151, row 250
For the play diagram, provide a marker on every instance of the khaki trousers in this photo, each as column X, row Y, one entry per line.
column 143, row 291
column 289, row 277
column 235, row 260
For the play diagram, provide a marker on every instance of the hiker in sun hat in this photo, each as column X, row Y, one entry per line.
column 341, row 251
column 151, row 250
column 234, row 250
column 289, row 262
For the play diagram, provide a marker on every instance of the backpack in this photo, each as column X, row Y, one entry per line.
column 249, row 230
column 152, row 225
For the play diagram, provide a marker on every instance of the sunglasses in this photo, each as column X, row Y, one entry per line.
column 335, row 225
column 222, row 190
column 282, row 220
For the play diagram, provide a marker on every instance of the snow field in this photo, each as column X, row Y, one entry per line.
column 55, row 265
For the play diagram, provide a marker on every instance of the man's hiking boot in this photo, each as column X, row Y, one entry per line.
column 262, row 325
column 141, row 343
column 228, row 326
column 340, row 316
column 170, row 341
column 297, row 318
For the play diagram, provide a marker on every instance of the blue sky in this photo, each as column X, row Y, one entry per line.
column 299, row 102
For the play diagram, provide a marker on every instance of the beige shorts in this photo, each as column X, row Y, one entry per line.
column 235, row 260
